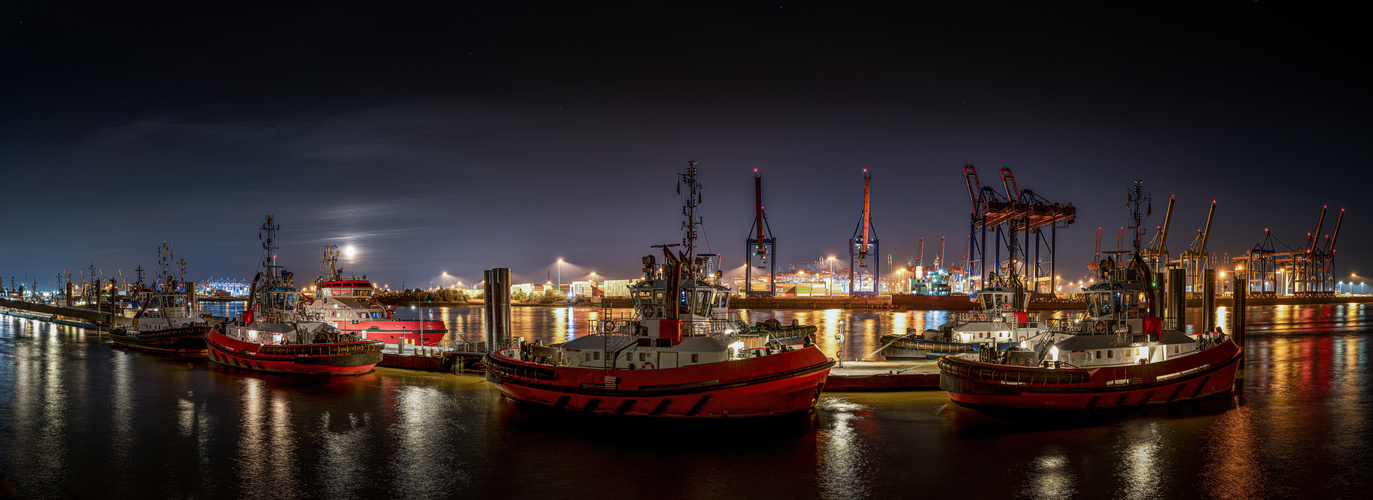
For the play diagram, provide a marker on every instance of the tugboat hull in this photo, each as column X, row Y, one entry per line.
column 774, row 385
column 188, row 340
column 347, row 358
column 1195, row 376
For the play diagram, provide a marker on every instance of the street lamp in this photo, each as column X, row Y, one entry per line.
column 831, row 282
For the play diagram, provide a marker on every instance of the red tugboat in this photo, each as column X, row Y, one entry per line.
column 683, row 357
column 351, row 305
column 1118, row 355
column 275, row 335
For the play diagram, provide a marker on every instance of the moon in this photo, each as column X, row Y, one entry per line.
column 348, row 251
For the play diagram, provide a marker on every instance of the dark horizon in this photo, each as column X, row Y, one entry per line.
column 457, row 138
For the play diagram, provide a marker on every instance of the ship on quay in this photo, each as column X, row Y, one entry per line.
column 681, row 356
column 1121, row 353
column 350, row 304
column 275, row 334
column 167, row 321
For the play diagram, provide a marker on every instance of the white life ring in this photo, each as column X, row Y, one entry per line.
column 648, row 365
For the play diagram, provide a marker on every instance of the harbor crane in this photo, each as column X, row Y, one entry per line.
column 1156, row 253
column 864, row 265
column 1013, row 218
column 1273, row 268
column 1195, row 258
column 760, row 248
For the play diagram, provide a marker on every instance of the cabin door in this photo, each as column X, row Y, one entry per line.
column 667, row 360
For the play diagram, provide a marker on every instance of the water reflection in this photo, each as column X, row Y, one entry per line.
column 843, row 465
column 266, row 463
column 1051, row 475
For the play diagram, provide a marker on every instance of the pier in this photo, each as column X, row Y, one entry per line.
column 97, row 318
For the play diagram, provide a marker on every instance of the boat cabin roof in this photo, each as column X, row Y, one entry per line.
column 346, row 284
column 1108, row 341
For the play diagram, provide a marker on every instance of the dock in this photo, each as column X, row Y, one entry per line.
column 875, row 376
column 433, row 359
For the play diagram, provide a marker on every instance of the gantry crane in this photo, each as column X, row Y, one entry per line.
column 1019, row 213
column 864, row 265
column 1273, row 268
column 760, row 248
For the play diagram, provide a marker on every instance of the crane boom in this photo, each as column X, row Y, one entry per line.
column 758, row 202
column 1313, row 238
column 974, row 187
column 1206, row 233
column 867, row 199
column 1158, row 248
column 1330, row 248
column 1008, row 181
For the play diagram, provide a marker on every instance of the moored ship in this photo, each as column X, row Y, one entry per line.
column 274, row 334
column 350, row 304
column 167, row 321
column 1120, row 353
column 681, row 357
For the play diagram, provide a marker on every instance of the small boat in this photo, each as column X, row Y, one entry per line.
column 350, row 304
column 274, row 334
column 681, row 356
column 167, row 321
column 999, row 322
column 1121, row 353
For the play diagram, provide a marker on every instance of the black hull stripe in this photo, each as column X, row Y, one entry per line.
column 370, row 358
column 502, row 379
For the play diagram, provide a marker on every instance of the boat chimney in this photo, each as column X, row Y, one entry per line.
column 497, row 307
column 190, row 296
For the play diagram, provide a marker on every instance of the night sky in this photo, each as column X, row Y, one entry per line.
column 448, row 136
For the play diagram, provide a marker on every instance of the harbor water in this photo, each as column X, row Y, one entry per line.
column 82, row 419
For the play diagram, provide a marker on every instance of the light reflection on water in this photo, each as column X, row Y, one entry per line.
column 82, row 419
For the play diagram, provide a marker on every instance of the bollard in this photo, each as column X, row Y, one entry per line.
column 1240, row 286
column 497, row 309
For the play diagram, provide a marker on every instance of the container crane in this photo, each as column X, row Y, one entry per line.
column 1156, row 254
column 1195, row 258
column 864, row 265
column 760, row 248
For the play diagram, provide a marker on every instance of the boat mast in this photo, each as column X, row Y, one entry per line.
column 330, row 262
column 689, row 210
column 1137, row 199
column 268, row 233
